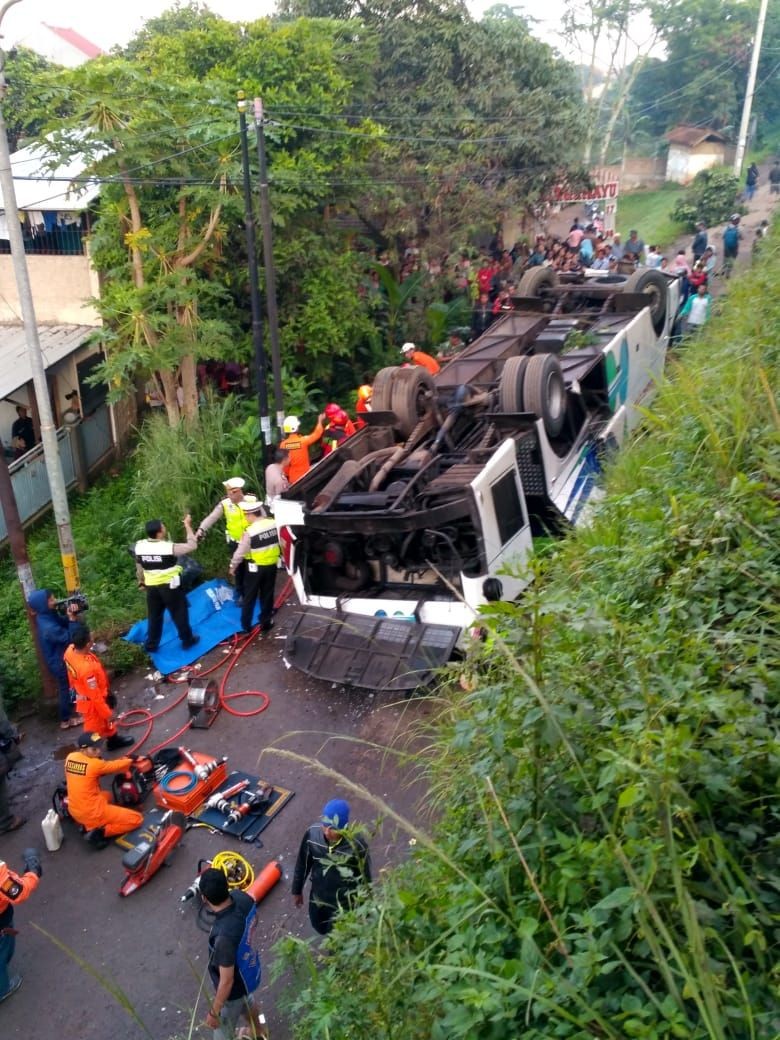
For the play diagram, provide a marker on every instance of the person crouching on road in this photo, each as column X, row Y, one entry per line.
column 338, row 862
column 14, row 889
column 235, row 522
column 93, row 696
column 88, row 803
column 54, row 635
column 259, row 546
column 160, row 573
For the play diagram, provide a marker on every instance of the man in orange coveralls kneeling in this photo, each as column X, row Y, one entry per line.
column 94, row 700
column 88, row 804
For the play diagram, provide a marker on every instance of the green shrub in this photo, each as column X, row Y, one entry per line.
column 712, row 197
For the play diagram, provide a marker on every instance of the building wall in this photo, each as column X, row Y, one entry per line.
column 684, row 163
column 60, row 287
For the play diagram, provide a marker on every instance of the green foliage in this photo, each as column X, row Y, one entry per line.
column 24, row 105
column 711, row 197
column 605, row 860
column 648, row 211
column 702, row 80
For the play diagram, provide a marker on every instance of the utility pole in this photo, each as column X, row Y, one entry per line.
column 750, row 91
column 270, row 270
column 59, row 495
column 254, row 283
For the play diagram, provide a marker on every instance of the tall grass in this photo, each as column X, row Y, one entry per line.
column 606, row 859
column 648, row 212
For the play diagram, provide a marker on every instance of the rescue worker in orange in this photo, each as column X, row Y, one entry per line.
column 298, row 445
column 94, row 700
column 14, row 889
column 339, row 427
column 413, row 356
column 88, row 803
column 363, row 404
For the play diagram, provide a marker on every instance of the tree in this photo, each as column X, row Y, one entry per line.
column 25, row 100
column 169, row 240
column 703, row 78
column 479, row 119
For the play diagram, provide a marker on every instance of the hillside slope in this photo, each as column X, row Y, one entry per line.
column 603, row 858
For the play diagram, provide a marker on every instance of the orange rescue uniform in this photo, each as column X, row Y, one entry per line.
column 298, row 447
column 88, row 678
column 27, row 882
column 419, row 357
column 91, row 806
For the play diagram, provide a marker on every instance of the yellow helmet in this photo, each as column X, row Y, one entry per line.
column 365, row 392
column 291, row 424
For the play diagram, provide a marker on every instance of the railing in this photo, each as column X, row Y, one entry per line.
column 29, row 478
column 62, row 241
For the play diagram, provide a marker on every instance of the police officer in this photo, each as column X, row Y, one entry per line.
column 88, row 803
column 160, row 573
column 235, row 522
column 14, row 889
column 259, row 546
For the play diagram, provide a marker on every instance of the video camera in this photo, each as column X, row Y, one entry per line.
column 78, row 598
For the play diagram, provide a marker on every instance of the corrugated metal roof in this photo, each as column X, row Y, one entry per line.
column 35, row 187
column 57, row 342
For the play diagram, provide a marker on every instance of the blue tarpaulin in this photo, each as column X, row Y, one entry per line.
column 214, row 616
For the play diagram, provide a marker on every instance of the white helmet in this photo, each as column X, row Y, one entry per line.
column 408, row 348
column 291, row 424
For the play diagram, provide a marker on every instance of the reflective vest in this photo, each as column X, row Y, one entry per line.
column 264, row 543
column 157, row 561
column 235, row 520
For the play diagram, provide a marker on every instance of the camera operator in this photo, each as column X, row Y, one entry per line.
column 55, row 634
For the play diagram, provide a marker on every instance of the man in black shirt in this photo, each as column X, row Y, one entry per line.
column 22, row 432
column 337, row 861
column 231, row 1000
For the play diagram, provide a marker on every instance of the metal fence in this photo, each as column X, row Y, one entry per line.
column 28, row 474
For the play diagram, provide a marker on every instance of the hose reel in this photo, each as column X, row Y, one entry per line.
column 203, row 704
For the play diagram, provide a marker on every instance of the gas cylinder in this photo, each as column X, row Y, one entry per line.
column 51, row 825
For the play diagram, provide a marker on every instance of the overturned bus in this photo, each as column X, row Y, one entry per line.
column 394, row 541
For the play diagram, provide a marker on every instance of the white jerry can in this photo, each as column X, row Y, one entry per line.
column 51, row 825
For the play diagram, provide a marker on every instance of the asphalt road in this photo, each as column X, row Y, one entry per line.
column 145, row 944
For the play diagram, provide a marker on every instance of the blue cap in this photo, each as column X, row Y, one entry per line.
column 336, row 814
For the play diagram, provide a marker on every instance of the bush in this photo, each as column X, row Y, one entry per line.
column 711, row 198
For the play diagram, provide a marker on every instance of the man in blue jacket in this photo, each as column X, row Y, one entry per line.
column 55, row 634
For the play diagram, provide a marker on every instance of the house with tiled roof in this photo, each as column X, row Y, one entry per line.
column 63, row 46
column 695, row 148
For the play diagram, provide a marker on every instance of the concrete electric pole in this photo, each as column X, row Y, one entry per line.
column 739, row 158
column 59, row 496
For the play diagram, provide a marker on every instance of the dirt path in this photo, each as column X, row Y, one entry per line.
column 761, row 208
